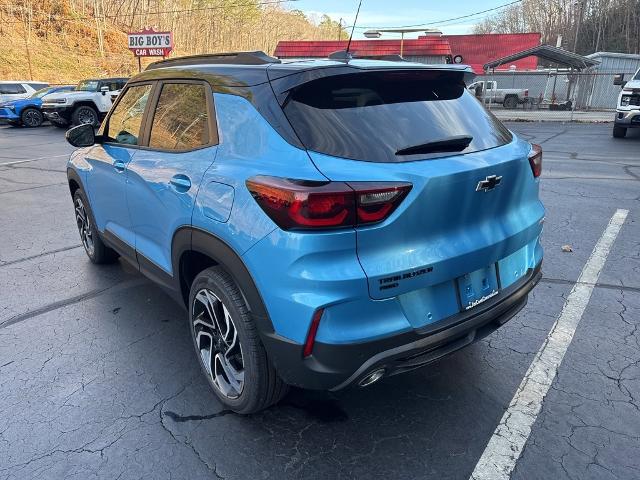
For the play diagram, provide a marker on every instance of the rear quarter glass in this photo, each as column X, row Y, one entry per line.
column 370, row 116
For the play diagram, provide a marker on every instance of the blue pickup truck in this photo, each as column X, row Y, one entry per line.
column 27, row 111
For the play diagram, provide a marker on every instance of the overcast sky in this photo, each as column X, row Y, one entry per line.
column 396, row 13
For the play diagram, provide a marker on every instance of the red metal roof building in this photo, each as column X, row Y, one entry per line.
column 434, row 49
column 476, row 50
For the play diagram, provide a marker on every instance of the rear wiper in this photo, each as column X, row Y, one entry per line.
column 455, row 143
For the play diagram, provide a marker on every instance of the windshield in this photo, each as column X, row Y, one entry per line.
column 40, row 93
column 87, row 86
column 391, row 116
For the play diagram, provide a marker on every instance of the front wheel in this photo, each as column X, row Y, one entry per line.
column 85, row 114
column 228, row 346
column 32, row 118
column 93, row 245
column 619, row 132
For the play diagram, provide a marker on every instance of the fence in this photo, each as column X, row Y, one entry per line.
column 552, row 95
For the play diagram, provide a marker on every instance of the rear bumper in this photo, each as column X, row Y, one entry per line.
column 334, row 367
column 627, row 118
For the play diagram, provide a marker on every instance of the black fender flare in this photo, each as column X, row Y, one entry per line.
column 73, row 175
column 192, row 239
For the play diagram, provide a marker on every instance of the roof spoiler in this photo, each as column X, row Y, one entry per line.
column 231, row 58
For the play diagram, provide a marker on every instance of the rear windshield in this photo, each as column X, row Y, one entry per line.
column 379, row 116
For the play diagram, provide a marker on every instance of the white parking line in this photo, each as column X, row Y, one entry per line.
column 32, row 159
column 511, row 434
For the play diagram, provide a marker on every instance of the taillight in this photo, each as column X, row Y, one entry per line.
column 313, row 330
column 535, row 160
column 302, row 204
column 526, row 93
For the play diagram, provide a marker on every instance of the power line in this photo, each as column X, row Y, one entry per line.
column 446, row 20
column 138, row 14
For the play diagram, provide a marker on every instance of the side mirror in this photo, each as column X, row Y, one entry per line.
column 618, row 79
column 81, row 136
column 104, row 90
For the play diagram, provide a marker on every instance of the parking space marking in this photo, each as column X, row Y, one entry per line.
column 16, row 162
column 510, row 436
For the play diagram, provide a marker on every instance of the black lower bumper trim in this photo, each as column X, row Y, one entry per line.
column 333, row 367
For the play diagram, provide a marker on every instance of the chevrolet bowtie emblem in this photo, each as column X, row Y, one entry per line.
column 489, row 183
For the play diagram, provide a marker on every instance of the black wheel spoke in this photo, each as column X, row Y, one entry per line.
column 84, row 227
column 217, row 341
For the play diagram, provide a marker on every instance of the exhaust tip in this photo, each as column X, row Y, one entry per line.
column 372, row 378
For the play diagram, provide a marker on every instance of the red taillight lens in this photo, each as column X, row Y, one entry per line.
column 376, row 201
column 535, row 160
column 526, row 93
column 300, row 204
column 313, row 330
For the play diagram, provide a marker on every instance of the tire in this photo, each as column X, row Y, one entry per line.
column 619, row 132
column 85, row 114
column 93, row 245
column 31, row 117
column 510, row 102
column 243, row 378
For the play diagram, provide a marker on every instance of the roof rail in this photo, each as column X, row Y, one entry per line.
column 232, row 58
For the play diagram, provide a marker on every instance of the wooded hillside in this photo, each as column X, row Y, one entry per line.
column 588, row 25
column 62, row 41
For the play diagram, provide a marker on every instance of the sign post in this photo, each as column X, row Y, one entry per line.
column 150, row 43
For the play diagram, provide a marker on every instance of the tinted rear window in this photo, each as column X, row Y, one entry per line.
column 371, row 116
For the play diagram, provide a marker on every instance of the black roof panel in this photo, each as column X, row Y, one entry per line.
column 253, row 68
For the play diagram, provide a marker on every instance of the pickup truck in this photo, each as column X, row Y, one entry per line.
column 488, row 92
column 89, row 102
column 628, row 108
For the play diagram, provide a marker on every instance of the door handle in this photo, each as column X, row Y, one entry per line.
column 119, row 165
column 180, row 182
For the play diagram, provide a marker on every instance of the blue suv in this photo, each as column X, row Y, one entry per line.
column 326, row 223
column 27, row 111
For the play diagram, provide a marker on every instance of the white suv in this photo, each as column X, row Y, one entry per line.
column 17, row 89
column 628, row 110
column 89, row 102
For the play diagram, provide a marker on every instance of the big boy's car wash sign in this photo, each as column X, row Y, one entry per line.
column 149, row 43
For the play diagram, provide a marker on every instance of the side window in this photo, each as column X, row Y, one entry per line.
column 180, row 121
column 489, row 86
column 112, row 84
column 11, row 88
column 38, row 86
column 126, row 118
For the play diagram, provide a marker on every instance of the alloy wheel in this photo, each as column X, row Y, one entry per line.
column 86, row 116
column 217, row 342
column 84, row 227
column 31, row 118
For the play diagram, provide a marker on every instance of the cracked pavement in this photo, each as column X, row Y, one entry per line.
column 98, row 379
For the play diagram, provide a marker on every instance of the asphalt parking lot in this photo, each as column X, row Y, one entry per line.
column 98, row 378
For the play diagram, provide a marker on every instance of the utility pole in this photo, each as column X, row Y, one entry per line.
column 579, row 4
column 339, row 29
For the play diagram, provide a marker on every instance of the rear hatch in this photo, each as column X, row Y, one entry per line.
column 474, row 199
